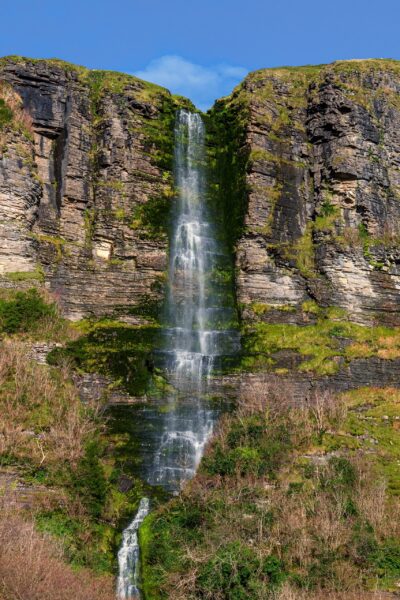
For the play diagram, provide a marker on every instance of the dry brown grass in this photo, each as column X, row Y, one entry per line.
column 350, row 237
column 289, row 593
column 14, row 102
column 42, row 418
column 32, row 567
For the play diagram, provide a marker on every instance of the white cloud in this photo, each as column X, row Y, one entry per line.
column 201, row 84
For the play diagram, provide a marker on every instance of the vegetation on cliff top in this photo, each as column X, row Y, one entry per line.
column 101, row 81
column 280, row 118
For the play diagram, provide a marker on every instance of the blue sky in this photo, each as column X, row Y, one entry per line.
column 200, row 48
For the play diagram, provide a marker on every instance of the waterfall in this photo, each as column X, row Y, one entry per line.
column 129, row 577
column 192, row 258
column 196, row 336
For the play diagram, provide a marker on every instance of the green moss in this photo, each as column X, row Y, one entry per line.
column 6, row 114
column 113, row 185
column 228, row 157
column 118, row 351
column 320, row 343
column 150, row 308
column 260, row 155
column 259, row 308
column 89, row 216
column 311, row 307
column 152, row 219
column 328, row 215
column 305, row 253
column 58, row 243
column 36, row 275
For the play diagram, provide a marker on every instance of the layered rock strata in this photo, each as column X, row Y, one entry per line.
column 319, row 149
column 85, row 184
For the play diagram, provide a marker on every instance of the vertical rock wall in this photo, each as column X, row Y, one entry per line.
column 320, row 152
column 307, row 171
column 85, row 187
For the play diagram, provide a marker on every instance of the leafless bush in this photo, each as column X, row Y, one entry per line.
column 287, row 592
column 271, row 393
column 32, row 567
column 372, row 501
column 326, row 410
column 41, row 414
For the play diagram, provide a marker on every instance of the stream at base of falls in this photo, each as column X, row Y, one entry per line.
column 197, row 334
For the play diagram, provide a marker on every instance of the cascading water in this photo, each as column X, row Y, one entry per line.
column 196, row 336
column 192, row 340
column 129, row 576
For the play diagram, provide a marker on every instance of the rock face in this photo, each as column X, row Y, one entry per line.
column 309, row 176
column 319, row 149
column 85, row 184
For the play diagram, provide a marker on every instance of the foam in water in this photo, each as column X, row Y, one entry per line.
column 193, row 338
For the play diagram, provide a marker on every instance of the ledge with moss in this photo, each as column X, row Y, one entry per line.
column 322, row 348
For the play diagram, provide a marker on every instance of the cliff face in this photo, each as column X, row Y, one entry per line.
column 85, row 185
column 307, row 171
column 317, row 208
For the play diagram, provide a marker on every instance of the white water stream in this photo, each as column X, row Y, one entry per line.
column 193, row 339
column 128, row 556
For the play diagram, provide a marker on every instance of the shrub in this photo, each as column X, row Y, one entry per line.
column 341, row 474
column 387, row 558
column 6, row 114
column 42, row 420
column 89, row 481
column 274, row 569
column 23, row 312
column 12, row 111
column 229, row 574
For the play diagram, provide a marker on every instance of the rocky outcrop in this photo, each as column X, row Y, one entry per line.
column 320, row 197
column 85, row 184
column 371, row 372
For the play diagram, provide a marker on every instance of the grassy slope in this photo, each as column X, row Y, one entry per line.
column 55, row 444
column 286, row 501
column 324, row 346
